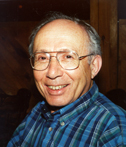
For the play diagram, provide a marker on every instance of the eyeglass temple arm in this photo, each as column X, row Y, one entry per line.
column 81, row 57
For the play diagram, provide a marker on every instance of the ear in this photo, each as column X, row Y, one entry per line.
column 95, row 65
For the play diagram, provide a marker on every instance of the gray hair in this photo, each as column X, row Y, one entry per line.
column 94, row 39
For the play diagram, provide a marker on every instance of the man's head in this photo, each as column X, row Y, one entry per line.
column 58, row 84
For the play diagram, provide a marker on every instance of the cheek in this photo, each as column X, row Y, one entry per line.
column 79, row 82
column 85, row 67
column 38, row 75
column 78, row 78
column 85, row 76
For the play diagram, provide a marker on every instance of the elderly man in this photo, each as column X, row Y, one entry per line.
column 65, row 57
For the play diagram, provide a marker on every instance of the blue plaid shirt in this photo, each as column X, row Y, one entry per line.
column 90, row 121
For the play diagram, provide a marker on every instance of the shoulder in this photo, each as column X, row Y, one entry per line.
column 112, row 109
column 33, row 115
column 116, row 124
column 115, row 110
column 26, row 127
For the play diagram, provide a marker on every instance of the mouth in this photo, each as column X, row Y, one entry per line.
column 57, row 87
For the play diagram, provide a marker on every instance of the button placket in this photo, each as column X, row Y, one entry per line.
column 50, row 129
column 62, row 123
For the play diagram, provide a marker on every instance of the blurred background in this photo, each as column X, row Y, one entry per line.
column 18, row 93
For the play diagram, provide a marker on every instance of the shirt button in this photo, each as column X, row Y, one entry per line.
column 50, row 129
column 62, row 123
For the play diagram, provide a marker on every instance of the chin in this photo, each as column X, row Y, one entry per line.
column 56, row 103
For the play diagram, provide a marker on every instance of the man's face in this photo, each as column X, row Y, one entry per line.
column 58, row 86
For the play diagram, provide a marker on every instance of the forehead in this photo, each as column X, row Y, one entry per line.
column 61, row 33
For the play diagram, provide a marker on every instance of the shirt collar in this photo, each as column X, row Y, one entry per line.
column 72, row 110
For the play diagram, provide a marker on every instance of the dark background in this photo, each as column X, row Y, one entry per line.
column 33, row 10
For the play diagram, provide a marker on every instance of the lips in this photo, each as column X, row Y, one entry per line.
column 57, row 87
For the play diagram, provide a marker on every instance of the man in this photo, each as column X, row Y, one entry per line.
column 65, row 57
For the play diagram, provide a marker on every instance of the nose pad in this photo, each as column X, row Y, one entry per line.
column 54, row 69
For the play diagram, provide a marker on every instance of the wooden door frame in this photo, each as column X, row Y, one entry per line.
column 103, row 17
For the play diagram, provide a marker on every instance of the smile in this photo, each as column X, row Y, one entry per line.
column 57, row 87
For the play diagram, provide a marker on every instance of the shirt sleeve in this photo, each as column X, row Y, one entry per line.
column 114, row 135
column 17, row 136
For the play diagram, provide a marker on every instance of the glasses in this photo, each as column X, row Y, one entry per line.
column 68, row 60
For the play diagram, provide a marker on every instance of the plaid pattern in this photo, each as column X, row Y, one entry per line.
column 90, row 121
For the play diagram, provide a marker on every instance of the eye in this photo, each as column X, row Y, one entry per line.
column 68, row 56
column 41, row 57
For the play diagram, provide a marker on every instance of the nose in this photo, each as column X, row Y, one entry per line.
column 54, row 69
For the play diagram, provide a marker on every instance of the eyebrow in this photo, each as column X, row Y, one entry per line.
column 43, row 50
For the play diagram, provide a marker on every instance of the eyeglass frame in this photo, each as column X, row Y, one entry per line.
column 79, row 58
